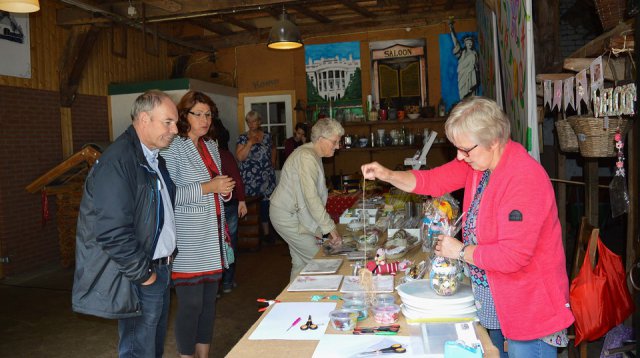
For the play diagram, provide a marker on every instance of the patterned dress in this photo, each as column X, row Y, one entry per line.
column 258, row 174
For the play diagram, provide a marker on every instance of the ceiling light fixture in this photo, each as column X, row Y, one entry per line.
column 19, row 6
column 284, row 34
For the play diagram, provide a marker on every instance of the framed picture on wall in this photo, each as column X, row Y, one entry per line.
column 459, row 66
column 15, row 46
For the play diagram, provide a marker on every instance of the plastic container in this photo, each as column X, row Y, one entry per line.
column 385, row 299
column 355, row 297
column 358, row 306
column 343, row 319
column 385, row 313
column 443, row 277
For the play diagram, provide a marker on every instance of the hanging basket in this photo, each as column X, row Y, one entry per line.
column 610, row 12
column 594, row 139
column 566, row 137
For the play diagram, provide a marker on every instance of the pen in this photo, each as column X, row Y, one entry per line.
column 294, row 323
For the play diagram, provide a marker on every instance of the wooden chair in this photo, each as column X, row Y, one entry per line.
column 249, row 228
column 587, row 238
column 351, row 181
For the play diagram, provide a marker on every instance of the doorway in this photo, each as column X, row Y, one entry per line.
column 277, row 114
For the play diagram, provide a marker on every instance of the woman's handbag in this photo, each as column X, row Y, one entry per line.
column 599, row 297
column 230, row 257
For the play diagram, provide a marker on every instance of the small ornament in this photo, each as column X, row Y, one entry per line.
column 619, row 145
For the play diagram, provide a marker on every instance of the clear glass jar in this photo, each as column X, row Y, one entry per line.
column 443, row 276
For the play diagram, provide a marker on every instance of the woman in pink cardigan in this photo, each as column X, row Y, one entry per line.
column 511, row 233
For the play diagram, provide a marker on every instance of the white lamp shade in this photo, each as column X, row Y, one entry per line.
column 19, row 6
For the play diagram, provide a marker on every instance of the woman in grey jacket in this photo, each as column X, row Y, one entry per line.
column 297, row 209
column 202, row 188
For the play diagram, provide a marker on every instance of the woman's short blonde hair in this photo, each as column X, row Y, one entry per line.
column 479, row 118
column 252, row 116
column 326, row 127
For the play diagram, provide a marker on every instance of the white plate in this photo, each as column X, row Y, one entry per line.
column 417, row 317
column 440, row 312
column 418, row 293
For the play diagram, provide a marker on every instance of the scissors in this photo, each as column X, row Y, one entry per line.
column 394, row 328
column 268, row 302
column 309, row 325
column 394, row 348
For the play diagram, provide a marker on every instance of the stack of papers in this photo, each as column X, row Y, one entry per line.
column 380, row 284
column 315, row 283
column 321, row 266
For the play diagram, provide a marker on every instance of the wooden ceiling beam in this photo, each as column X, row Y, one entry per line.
column 370, row 24
column 245, row 25
column 357, row 8
column 218, row 28
column 310, row 13
column 403, row 7
column 166, row 5
column 74, row 58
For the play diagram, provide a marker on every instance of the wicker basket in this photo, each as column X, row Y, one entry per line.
column 593, row 139
column 566, row 137
column 610, row 12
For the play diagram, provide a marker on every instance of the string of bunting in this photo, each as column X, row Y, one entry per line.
column 613, row 101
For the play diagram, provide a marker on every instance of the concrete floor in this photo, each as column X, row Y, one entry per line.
column 36, row 318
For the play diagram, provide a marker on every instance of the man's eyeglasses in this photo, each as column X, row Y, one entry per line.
column 465, row 152
column 200, row 114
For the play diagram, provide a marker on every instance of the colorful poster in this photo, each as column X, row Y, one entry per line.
column 334, row 80
column 515, row 43
column 459, row 66
column 15, row 45
column 487, row 47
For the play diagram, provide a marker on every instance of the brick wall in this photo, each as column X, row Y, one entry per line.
column 30, row 146
column 578, row 26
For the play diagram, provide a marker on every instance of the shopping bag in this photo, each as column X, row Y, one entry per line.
column 619, row 297
column 599, row 297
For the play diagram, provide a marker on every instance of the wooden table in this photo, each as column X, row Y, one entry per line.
column 288, row 348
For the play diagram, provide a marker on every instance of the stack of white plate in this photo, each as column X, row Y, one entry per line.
column 421, row 304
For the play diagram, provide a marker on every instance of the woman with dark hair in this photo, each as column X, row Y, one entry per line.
column 299, row 138
column 194, row 164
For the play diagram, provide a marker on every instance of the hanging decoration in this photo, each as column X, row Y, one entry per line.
column 548, row 93
column 568, row 94
column 557, row 95
column 582, row 92
column 618, row 193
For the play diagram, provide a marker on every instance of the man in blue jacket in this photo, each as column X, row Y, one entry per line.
column 126, row 239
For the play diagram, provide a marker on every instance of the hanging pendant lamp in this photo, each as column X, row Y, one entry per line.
column 19, row 6
column 284, row 34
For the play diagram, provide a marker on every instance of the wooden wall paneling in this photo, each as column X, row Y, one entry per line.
column 77, row 50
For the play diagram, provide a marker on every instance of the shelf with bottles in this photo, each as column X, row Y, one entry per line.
column 394, row 122
column 369, row 148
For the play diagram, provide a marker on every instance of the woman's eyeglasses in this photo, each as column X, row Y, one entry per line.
column 200, row 114
column 334, row 142
column 465, row 152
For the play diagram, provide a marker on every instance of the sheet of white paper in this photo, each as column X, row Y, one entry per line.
column 380, row 284
column 321, row 266
column 315, row 283
column 280, row 317
column 348, row 345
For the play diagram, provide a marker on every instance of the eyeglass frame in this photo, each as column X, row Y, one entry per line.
column 200, row 114
column 334, row 142
column 465, row 152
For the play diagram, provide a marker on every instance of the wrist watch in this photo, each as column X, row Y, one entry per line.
column 461, row 253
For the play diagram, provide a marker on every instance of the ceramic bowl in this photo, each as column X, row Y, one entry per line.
column 413, row 115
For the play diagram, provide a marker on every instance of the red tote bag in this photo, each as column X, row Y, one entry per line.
column 599, row 298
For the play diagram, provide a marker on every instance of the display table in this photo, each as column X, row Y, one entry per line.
column 289, row 348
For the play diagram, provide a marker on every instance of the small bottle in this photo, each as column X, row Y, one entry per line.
column 441, row 108
column 373, row 140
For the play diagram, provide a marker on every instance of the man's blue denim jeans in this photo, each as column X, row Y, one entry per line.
column 143, row 336
column 231, row 216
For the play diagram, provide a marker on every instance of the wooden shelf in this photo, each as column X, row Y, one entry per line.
column 402, row 122
column 388, row 148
